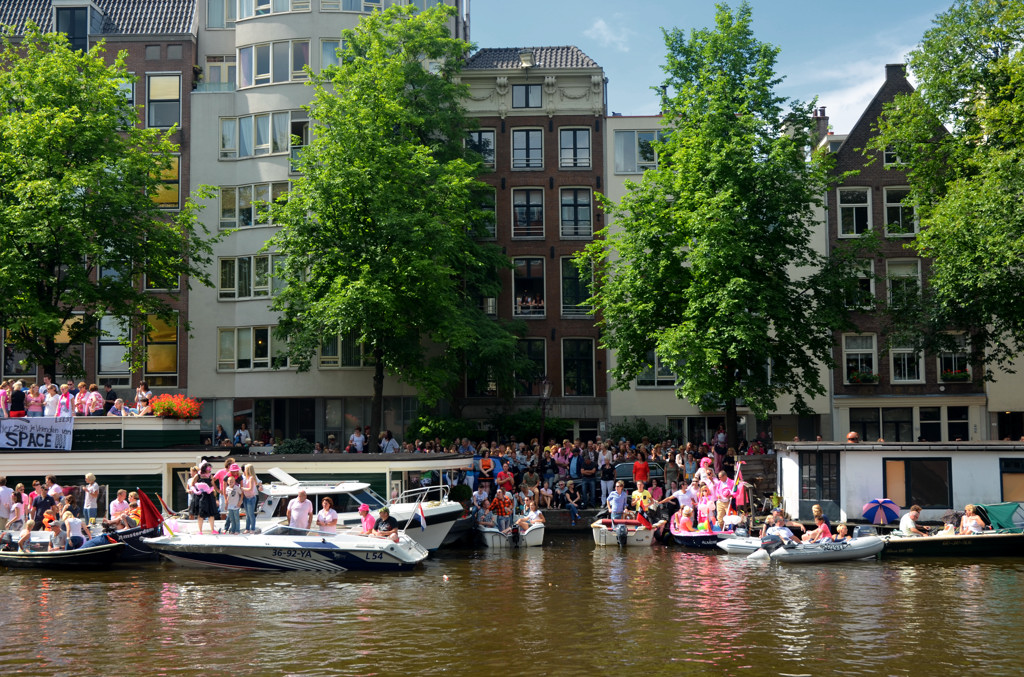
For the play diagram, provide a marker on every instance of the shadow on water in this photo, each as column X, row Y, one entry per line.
column 568, row 608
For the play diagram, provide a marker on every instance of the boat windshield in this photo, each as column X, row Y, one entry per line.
column 285, row 530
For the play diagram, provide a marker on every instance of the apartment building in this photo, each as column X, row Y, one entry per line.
column 541, row 112
column 158, row 38
column 253, row 55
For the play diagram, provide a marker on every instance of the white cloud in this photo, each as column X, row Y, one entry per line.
column 603, row 33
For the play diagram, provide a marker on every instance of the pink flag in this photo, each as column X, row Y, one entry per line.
column 741, row 494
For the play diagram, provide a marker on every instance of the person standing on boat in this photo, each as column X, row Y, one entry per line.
column 617, row 501
column 300, row 511
column 386, row 526
column 502, row 507
column 6, row 501
column 233, row 503
column 908, row 523
column 250, row 495
column 205, row 497
column 327, row 518
column 641, row 499
column 478, row 498
column 92, row 495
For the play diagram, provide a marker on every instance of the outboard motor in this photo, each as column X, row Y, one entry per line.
column 622, row 535
column 741, row 532
column 515, row 537
column 771, row 543
column 862, row 530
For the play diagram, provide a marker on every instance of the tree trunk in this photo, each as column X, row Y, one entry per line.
column 731, row 433
column 377, row 405
column 49, row 365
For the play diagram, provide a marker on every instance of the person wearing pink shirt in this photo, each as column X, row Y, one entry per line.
column 34, row 402
column 80, row 400
column 65, row 402
column 367, row 519
column 94, row 401
column 723, row 489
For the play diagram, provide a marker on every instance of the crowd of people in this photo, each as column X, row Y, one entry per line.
column 21, row 400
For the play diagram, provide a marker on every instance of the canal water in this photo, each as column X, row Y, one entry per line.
column 569, row 608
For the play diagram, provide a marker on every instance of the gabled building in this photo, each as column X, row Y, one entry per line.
column 159, row 41
column 541, row 112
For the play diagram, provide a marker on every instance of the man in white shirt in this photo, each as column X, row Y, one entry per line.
column 782, row 531
column 300, row 511
column 6, row 494
column 54, row 490
column 908, row 523
column 92, row 494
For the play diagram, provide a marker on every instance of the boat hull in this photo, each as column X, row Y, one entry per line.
column 740, row 546
column 996, row 544
column 606, row 533
column 839, row 551
column 493, row 538
column 95, row 557
column 701, row 539
column 286, row 553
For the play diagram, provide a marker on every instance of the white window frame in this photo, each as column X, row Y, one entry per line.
column 841, row 209
column 658, row 376
column 488, row 161
column 155, row 377
column 575, row 159
column 847, row 351
column 906, row 355
column 226, row 18
column 527, row 91
column 575, row 310
column 529, row 162
column 632, row 138
column 231, row 132
column 265, row 78
column 231, row 210
column 259, row 286
column 899, row 204
column 519, row 307
column 150, row 100
column 866, row 271
column 957, row 359
column 367, row 6
column 245, row 339
column 527, row 232
column 892, row 268
column 889, row 157
column 338, row 361
column 111, row 335
column 248, row 9
column 563, row 229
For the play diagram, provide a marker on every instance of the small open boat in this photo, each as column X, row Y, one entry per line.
column 284, row 548
column 1004, row 539
column 740, row 545
column 88, row 556
column 829, row 551
column 495, row 538
column 624, row 532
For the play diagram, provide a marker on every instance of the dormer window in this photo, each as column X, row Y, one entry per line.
column 74, row 22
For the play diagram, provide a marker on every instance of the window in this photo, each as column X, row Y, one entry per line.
column 489, row 306
column 954, row 366
column 247, row 348
column 482, row 142
column 897, row 424
column 243, row 277
column 854, row 211
column 489, row 222
column 819, row 476
column 931, row 423
column 890, row 157
column 72, row 358
column 927, row 482
column 526, row 96
column 527, row 212
column 299, row 131
column 251, row 8
column 16, row 362
column 533, row 349
column 174, row 52
column 863, row 294
column 578, row 367
column 329, row 53
column 220, row 71
column 575, row 291
column 74, row 23
column 1011, row 474
column 574, row 148
column 906, row 365
column 161, row 369
column 152, row 52
column 575, row 215
column 904, row 282
column 900, row 218
column 859, row 358
column 111, row 353
column 267, row 133
column 866, row 423
column 528, row 287
column 157, row 282
column 336, row 351
column 220, row 14
column 634, row 151
column 351, row 5
column 958, row 423
column 658, row 374
column 167, row 192
column 275, row 62
column 164, row 104
column 527, row 149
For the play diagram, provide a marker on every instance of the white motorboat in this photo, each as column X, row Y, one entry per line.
column 740, row 545
column 440, row 512
column 830, row 551
column 624, row 532
column 283, row 548
column 493, row 537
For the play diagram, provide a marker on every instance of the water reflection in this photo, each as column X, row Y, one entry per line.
column 570, row 608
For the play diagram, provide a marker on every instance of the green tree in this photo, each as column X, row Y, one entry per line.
column 709, row 262
column 79, row 227
column 959, row 139
column 378, row 232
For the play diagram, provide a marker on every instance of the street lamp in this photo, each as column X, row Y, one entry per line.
column 545, row 394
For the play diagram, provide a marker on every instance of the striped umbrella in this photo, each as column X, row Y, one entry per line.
column 881, row 511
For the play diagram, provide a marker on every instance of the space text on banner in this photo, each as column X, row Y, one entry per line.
column 36, row 433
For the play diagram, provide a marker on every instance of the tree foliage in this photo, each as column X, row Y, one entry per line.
column 710, row 262
column 79, row 229
column 959, row 140
column 378, row 231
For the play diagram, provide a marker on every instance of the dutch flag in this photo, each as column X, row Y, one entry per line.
column 421, row 517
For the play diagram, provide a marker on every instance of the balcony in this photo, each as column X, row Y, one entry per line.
column 111, row 432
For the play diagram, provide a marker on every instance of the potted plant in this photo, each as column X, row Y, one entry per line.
column 176, row 406
column 959, row 375
column 862, row 377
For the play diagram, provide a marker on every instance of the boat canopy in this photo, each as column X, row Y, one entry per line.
column 1004, row 515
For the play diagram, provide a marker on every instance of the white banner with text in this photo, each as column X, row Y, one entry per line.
column 36, row 433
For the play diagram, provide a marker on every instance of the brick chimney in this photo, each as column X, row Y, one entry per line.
column 895, row 71
column 820, row 125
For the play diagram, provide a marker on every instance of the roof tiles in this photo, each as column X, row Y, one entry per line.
column 567, row 56
column 121, row 17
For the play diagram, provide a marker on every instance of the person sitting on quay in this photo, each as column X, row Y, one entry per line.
column 908, row 523
column 533, row 516
column 617, row 501
column 816, row 510
column 573, row 500
column 484, row 516
column 386, row 526
column 502, row 507
column 820, row 533
column 546, row 495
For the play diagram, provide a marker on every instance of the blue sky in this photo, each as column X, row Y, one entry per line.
column 834, row 50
